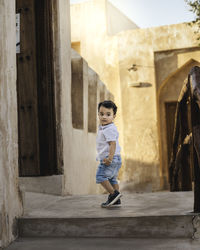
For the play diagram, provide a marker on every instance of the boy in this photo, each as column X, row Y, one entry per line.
column 108, row 150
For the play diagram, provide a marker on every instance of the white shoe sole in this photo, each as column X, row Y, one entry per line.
column 116, row 198
column 116, row 205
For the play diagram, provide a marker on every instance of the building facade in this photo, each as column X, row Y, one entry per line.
column 145, row 70
column 48, row 109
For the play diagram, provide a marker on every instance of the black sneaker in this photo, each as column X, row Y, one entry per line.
column 112, row 198
column 105, row 204
column 117, row 203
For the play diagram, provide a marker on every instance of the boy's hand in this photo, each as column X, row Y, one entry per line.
column 107, row 161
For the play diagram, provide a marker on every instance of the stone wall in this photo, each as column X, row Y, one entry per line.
column 157, row 53
column 99, row 50
column 78, row 90
column 75, row 117
column 142, row 145
column 76, row 145
column 86, row 91
column 10, row 198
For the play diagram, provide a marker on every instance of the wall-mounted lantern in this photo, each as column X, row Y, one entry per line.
column 138, row 84
column 135, row 67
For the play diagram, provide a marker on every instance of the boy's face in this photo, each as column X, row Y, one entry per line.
column 106, row 115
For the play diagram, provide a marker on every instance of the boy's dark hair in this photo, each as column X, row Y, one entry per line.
column 109, row 105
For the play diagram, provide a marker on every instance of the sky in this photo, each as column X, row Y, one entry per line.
column 151, row 13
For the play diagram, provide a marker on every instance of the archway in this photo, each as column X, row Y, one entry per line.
column 167, row 98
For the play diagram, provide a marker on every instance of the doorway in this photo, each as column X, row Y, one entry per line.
column 35, row 89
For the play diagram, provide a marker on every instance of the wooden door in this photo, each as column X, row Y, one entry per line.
column 29, row 163
column 35, row 87
column 45, row 80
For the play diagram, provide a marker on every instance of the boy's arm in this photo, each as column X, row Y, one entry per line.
column 107, row 161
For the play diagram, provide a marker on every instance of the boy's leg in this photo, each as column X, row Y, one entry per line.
column 116, row 186
column 108, row 187
column 114, row 194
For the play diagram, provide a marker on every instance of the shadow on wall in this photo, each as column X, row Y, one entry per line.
column 139, row 177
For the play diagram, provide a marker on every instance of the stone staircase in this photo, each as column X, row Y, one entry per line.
column 154, row 215
column 113, row 227
column 147, row 216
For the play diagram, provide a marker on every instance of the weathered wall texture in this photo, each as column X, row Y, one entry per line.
column 77, row 150
column 140, row 119
column 10, row 200
column 95, row 45
column 80, row 173
column 78, row 145
column 81, row 166
column 90, row 33
column 139, row 105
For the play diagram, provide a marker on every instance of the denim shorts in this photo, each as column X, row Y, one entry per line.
column 109, row 172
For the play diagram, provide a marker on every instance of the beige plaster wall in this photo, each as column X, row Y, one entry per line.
column 168, row 61
column 139, row 105
column 80, row 174
column 76, row 154
column 10, row 198
column 83, row 150
column 90, row 33
column 139, row 112
column 79, row 146
column 138, row 119
column 90, row 27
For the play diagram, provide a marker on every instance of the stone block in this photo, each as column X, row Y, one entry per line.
column 43, row 184
column 116, row 227
column 92, row 100
column 1, row 225
column 79, row 89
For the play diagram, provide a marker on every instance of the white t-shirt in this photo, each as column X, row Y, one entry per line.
column 106, row 134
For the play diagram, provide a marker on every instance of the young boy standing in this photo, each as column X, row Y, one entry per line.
column 108, row 150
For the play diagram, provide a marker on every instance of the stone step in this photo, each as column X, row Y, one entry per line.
column 43, row 184
column 102, row 244
column 134, row 227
